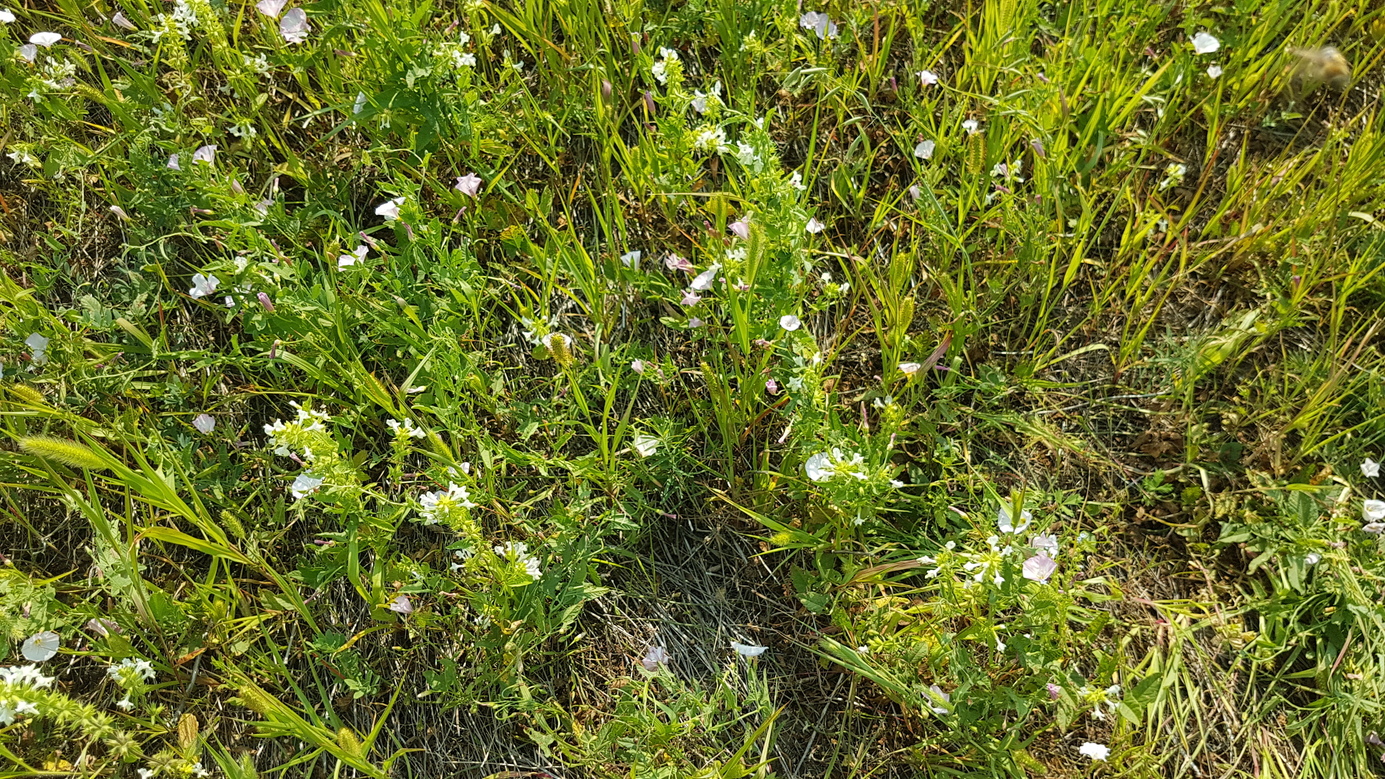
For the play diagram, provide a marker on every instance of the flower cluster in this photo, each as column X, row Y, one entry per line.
column 404, row 430
column 515, row 554
column 14, row 682
column 307, row 430
column 131, row 675
column 445, row 506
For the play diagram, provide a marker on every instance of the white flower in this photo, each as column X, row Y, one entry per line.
column 205, row 154
column 814, row 226
column 356, row 255
column 1373, row 510
column 971, row 126
column 819, row 467
column 790, row 322
column 1007, row 525
column 703, row 280
column 434, row 503
column 6, row 16
column 1039, row 568
column 390, row 209
column 270, row 8
column 359, row 105
column 924, row 150
column 405, row 429
column 947, row 698
column 40, row 646
column 631, row 259
column 25, row 676
column 1095, row 751
column 1370, row 468
column 1203, row 43
column 294, row 26
column 401, row 604
column 928, row 77
column 44, row 39
column 637, row 366
column 1046, row 544
column 818, row 23
column 173, row 162
column 1312, row 558
column 469, row 185
column 910, row 368
column 1214, row 71
column 660, row 69
column 655, row 657
column 38, row 348
column 646, row 445
column 305, row 485
column 203, row 286
column 204, row 423
column 145, row 773
column 519, row 552
column 1374, row 527
column 748, row 650
column 29, row 51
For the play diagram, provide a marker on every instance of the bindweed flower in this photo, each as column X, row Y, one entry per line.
column 390, row 209
column 1214, row 71
column 356, row 255
column 1039, row 568
column 637, row 366
column 691, row 298
column 44, row 39
column 1006, row 523
column 1094, row 751
column 38, row 348
column 748, row 650
column 1054, row 691
column 1373, row 510
column 928, row 78
column 265, row 302
column 740, row 228
column 40, row 647
column 703, row 281
column 655, row 657
column 173, row 162
column 359, row 105
column 819, row 24
column 790, row 322
column 695, row 323
column 646, row 445
column 469, row 185
column 305, row 485
column 924, row 151
column 401, row 605
column 270, row 8
column 910, row 369
column 28, row 51
column 202, row 286
column 631, row 259
column 814, row 226
column 772, row 387
column 6, row 16
column 1370, row 468
column 1047, row 544
column 102, row 627
column 1312, row 558
column 204, row 423
column 205, row 154
column 938, row 709
column 674, row 262
column 294, row 26
column 1204, row 43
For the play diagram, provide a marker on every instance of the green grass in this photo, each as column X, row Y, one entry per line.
column 421, row 508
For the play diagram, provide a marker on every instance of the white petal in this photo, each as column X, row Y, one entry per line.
column 1204, row 43
column 294, row 26
column 748, row 650
column 790, row 322
column 270, row 7
column 45, row 39
column 40, row 647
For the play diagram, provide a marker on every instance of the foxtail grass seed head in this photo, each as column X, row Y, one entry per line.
column 27, row 395
column 62, row 450
column 560, row 347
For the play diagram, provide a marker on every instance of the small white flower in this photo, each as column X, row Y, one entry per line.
column 38, row 348
column 202, row 286
column 6, row 16
column 145, row 773
column 40, row 647
column 173, row 162
column 205, row 154
column 1204, row 43
column 1370, row 468
column 356, row 255
column 204, row 423
column 928, row 78
column 390, row 209
column 924, row 151
column 1373, row 510
column 44, row 39
column 1312, row 558
column 29, row 51
column 305, row 485
column 790, row 322
column 1214, row 71
column 819, row 467
column 703, row 280
column 631, row 259
column 1094, row 751
column 971, row 126
column 359, row 105
column 1006, row 523
column 646, row 445
column 270, row 8
column 655, row 657
column 405, row 428
column 947, row 698
column 814, row 226
column 818, row 23
column 1047, row 544
column 748, row 650
column 910, row 368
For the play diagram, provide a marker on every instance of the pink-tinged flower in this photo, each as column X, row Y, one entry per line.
column 772, row 387
column 1047, row 544
column 389, row 209
column 205, row 154
column 819, row 24
column 674, row 262
column 469, row 185
column 655, row 657
column 703, row 281
column 265, row 302
column 915, row 192
column 741, row 228
column 120, row 212
column 790, row 322
column 202, row 286
column 1054, row 691
column 401, row 605
column 102, row 627
column 44, row 39
column 120, row 21
column 270, row 8
column 356, row 255
column 1038, row 147
column 814, row 226
column 294, row 26
column 173, row 162
column 1039, row 568
column 928, row 78
column 695, row 323
column 691, row 298
column 204, row 423
column 637, row 366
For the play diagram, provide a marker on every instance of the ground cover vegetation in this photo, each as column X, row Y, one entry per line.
column 562, row 388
